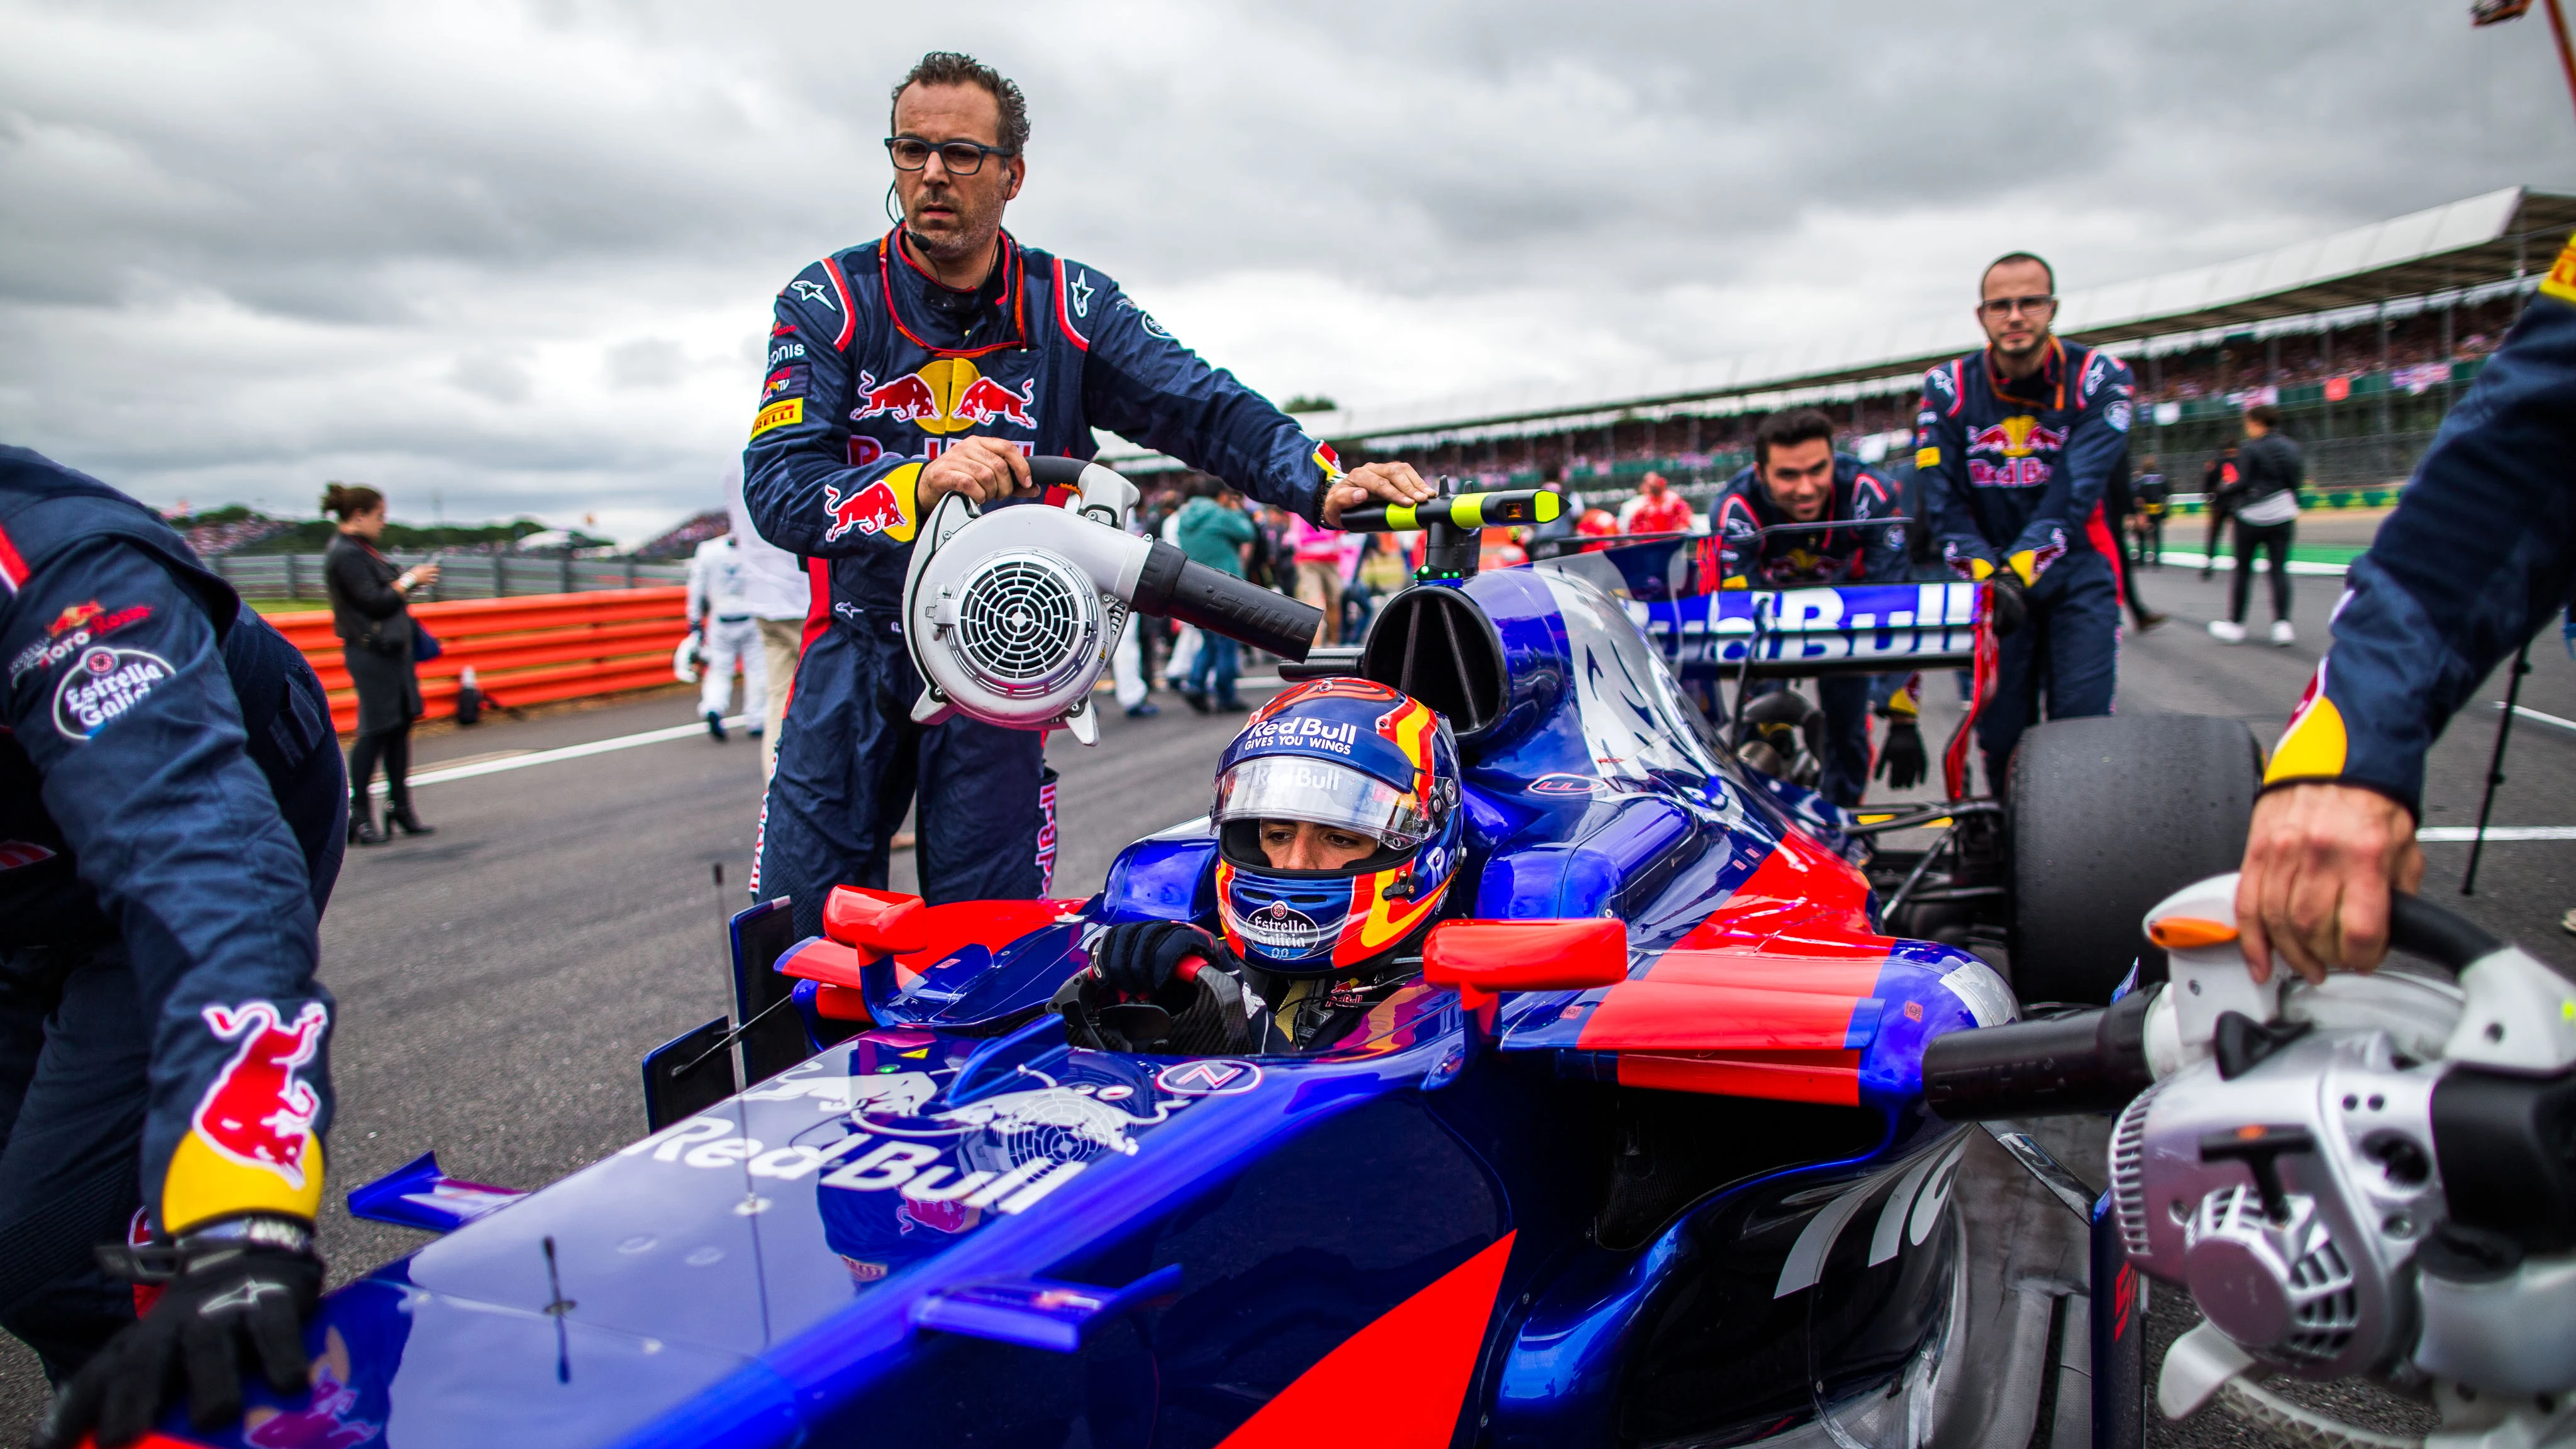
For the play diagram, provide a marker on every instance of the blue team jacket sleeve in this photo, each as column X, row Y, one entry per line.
column 2093, row 449
column 800, row 486
column 1882, row 550
column 138, row 740
column 1941, row 473
column 2445, row 593
column 1139, row 382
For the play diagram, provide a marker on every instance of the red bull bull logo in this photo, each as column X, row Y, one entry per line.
column 946, row 395
column 875, row 508
column 72, row 618
column 2016, row 437
column 259, row 1112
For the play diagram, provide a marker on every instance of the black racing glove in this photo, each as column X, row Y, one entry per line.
column 1901, row 761
column 2011, row 607
column 1139, row 958
column 254, row 1278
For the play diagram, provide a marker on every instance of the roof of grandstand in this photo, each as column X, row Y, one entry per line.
column 2469, row 248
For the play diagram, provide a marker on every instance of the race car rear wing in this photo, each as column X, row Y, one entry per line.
column 1801, row 633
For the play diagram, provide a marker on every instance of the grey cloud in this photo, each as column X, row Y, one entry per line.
column 497, row 376
column 647, row 362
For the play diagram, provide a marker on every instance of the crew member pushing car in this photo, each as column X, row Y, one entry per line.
column 1798, row 481
column 2016, row 443
column 1338, row 832
column 172, row 816
column 938, row 359
column 2439, row 600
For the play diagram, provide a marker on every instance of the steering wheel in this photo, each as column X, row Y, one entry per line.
column 1201, row 1012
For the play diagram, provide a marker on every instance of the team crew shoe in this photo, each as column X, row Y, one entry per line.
column 2226, row 631
column 2283, row 634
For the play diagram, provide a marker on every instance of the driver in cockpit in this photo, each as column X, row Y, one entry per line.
column 1338, row 828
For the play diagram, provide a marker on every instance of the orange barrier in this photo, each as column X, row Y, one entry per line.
column 526, row 649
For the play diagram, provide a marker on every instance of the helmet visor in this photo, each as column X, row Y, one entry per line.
column 1301, row 787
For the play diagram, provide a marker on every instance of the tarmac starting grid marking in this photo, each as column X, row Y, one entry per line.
column 2434, row 834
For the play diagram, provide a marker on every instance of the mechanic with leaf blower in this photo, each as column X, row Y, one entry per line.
column 2016, row 443
column 938, row 359
column 2440, row 599
column 173, row 808
column 1797, row 479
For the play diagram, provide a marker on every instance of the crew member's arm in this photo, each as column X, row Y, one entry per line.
column 1139, row 382
column 139, row 743
column 2094, row 447
column 1738, row 534
column 1941, row 476
column 1882, row 546
column 2440, row 599
column 807, row 487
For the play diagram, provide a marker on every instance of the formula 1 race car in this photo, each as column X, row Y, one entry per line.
column 1640, row 1158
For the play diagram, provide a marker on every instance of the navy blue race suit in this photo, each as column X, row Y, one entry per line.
column 2013, row 475
column 874, row 369
column 172, row 813
column 1745, row 559
column 2445, row 592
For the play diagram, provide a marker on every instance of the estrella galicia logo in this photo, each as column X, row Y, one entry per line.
column 105, row 684
column 1282, row 927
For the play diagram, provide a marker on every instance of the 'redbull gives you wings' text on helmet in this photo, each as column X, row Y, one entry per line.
column 1350, row 755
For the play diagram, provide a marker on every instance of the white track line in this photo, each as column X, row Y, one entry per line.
column 2527, row 712
column 2462, row 834
column 2227, row 563
column 568, row 752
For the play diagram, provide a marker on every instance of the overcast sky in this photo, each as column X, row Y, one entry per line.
column 504, row 259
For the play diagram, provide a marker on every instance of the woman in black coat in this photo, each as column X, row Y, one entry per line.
column 370, row 613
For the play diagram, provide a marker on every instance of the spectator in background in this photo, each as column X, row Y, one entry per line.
column 720, row 615
column 779, row 594
column 1318, row 554
column 371, row 612
column 2271, row 470
column 1383, row 570
column 2147, row 525
column 1656, row 509
column 2218, row 490
column 1216, row 532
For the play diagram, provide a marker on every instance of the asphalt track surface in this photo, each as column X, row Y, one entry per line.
column 499, row 980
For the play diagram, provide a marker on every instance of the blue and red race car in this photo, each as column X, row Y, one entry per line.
column 1641, row 1157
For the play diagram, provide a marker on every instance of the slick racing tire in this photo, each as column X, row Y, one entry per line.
column 2107, row 817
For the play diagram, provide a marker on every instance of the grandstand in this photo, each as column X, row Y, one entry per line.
column 2363, row 339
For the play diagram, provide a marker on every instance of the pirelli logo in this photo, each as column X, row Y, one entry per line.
column 2561, row 281
column 1927, row 457
column 779, row 414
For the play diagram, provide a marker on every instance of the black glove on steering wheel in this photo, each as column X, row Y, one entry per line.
column 254, row 1278
column 1901, row 761
column 2011, row 605
column 1140, row 958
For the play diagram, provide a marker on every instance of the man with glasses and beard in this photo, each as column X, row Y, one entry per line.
column 2016, row 443
column 938, row 359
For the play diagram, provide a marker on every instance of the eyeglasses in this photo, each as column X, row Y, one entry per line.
column 2006, row 306
column 957, row 158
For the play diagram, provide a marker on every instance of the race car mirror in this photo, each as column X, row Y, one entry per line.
column 1485, row 958
column 880, row 923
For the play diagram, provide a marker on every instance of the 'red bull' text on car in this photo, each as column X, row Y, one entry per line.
column 1635, row 1153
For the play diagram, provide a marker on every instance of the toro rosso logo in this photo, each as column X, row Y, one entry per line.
column 946, row 395
column 259, row 1112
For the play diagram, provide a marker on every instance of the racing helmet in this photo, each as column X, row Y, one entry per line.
column 1354, row 755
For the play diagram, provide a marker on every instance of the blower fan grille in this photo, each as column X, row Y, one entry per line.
column 1023, row 619
column 2129, row 1174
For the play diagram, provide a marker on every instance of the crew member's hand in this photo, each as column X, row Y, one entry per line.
column 2011, row 605
column 2319, row 863
column 226, row 1291
column 1139, row 958
column 1901, row 761
column 984, row 469
column 1384, row 482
